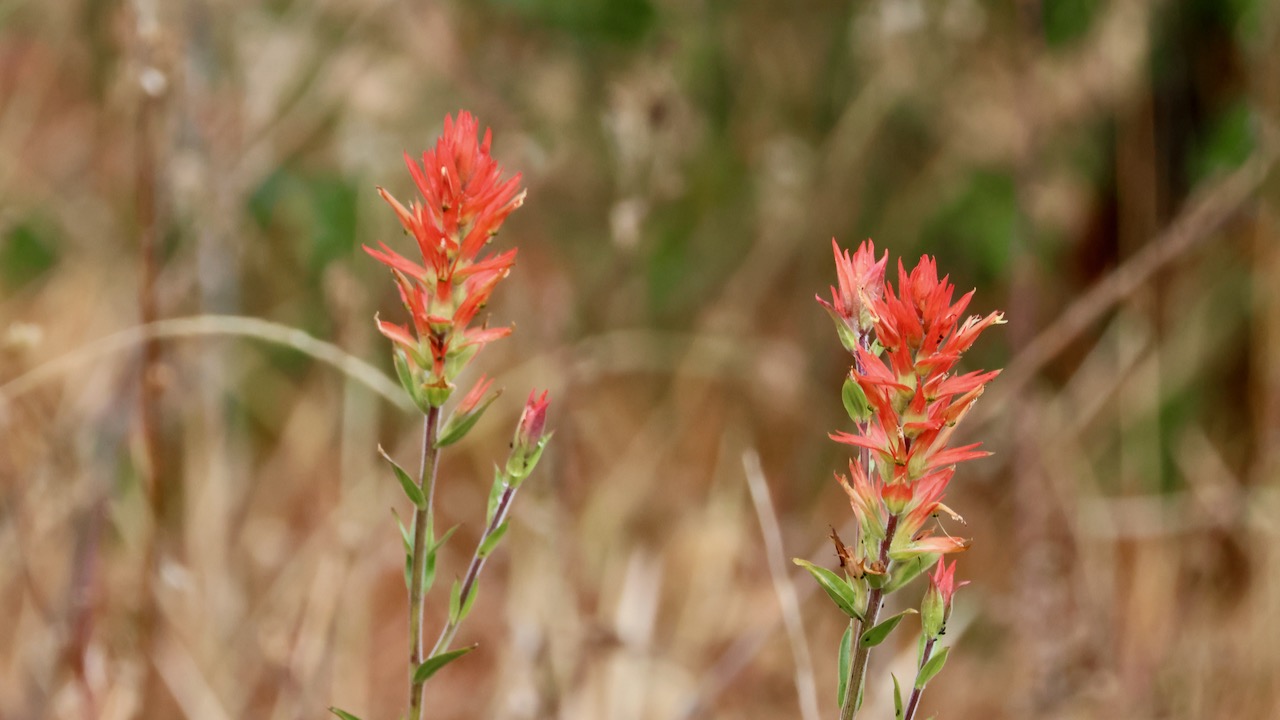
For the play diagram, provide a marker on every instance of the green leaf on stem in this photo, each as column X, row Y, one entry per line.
column 455, row 603
column 846, row 655
column 459, row 424
column 458, row 608
column 931, row 668
column 877, row 634
column 897, row 698
column 499, row 486
column 404, row 532
column 492, row 540
column 835, row 586
column 907, row 570
column 855, row 401
column 343, row 714
column 411, row 488
column 429, row 574
column 433, row 664
column 470, row 601
column 407, row 382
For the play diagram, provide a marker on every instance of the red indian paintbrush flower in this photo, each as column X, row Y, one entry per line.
column 915, row 400
column 861, row 280
column 464, row 200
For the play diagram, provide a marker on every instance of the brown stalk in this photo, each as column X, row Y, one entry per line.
column 421, row 519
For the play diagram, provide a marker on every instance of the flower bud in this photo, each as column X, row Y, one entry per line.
column 935, row 608
column 530, row 439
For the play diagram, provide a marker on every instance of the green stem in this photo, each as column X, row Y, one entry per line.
column 421, row 523
column 917, row 691
column 858, row 668
column 474, row 568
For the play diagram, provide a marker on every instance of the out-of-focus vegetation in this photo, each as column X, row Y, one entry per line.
column 1102, row 171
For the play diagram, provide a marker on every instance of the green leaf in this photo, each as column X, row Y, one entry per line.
column 447, row 534
column 855, row 401
column 455, row 603
column 411, row 488
column 471, row 600
column 492, row 540
column 877, row 634
column 343, row 714
column 897, row 698
column 907, row 570
column 457, row 427
column 404, row 532
column 846, row 652
column 499, row 486
column 407, row 382
column 931, row 668
column 433, row 664
column 429, row 574
column 837, row 589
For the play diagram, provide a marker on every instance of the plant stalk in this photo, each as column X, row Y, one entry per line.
column 421, row 521
column 474, row 568
column 917, row 691
column 858, row 667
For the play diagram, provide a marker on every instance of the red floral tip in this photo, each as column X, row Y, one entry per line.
column 473, row 398
column 531, row 437
column 935, row 609
column 463, row 200
column 861, row 281
column 533, row 420
column 943, row 581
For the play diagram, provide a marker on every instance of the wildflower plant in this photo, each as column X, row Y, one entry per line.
column 905, row 400
column 464, row 201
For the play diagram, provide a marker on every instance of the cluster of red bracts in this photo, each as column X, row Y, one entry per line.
column 464, row 201
column 914, row 401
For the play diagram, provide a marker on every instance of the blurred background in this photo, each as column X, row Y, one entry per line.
column 193, row 519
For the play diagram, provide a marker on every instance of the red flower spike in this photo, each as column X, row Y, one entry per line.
column 916, row 400
column 463, row 201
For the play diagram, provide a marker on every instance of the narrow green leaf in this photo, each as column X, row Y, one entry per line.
column 433, row 664
column 343, row 714
column 837, row 589
column 429, row 576
column 931, row 668
column 447, row 534
column 499, row 486
column 406, row 380
column 909, row 569
column 897, row 698
column 846, row 653
column 411, row 488
column 471, row 600
column 455, row 602
column 492, row 541
column 457, row 426
column 877, row 634
column 405, row 534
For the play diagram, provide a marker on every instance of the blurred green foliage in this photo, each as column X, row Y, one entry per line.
column 622, row 22
column 28, row 251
